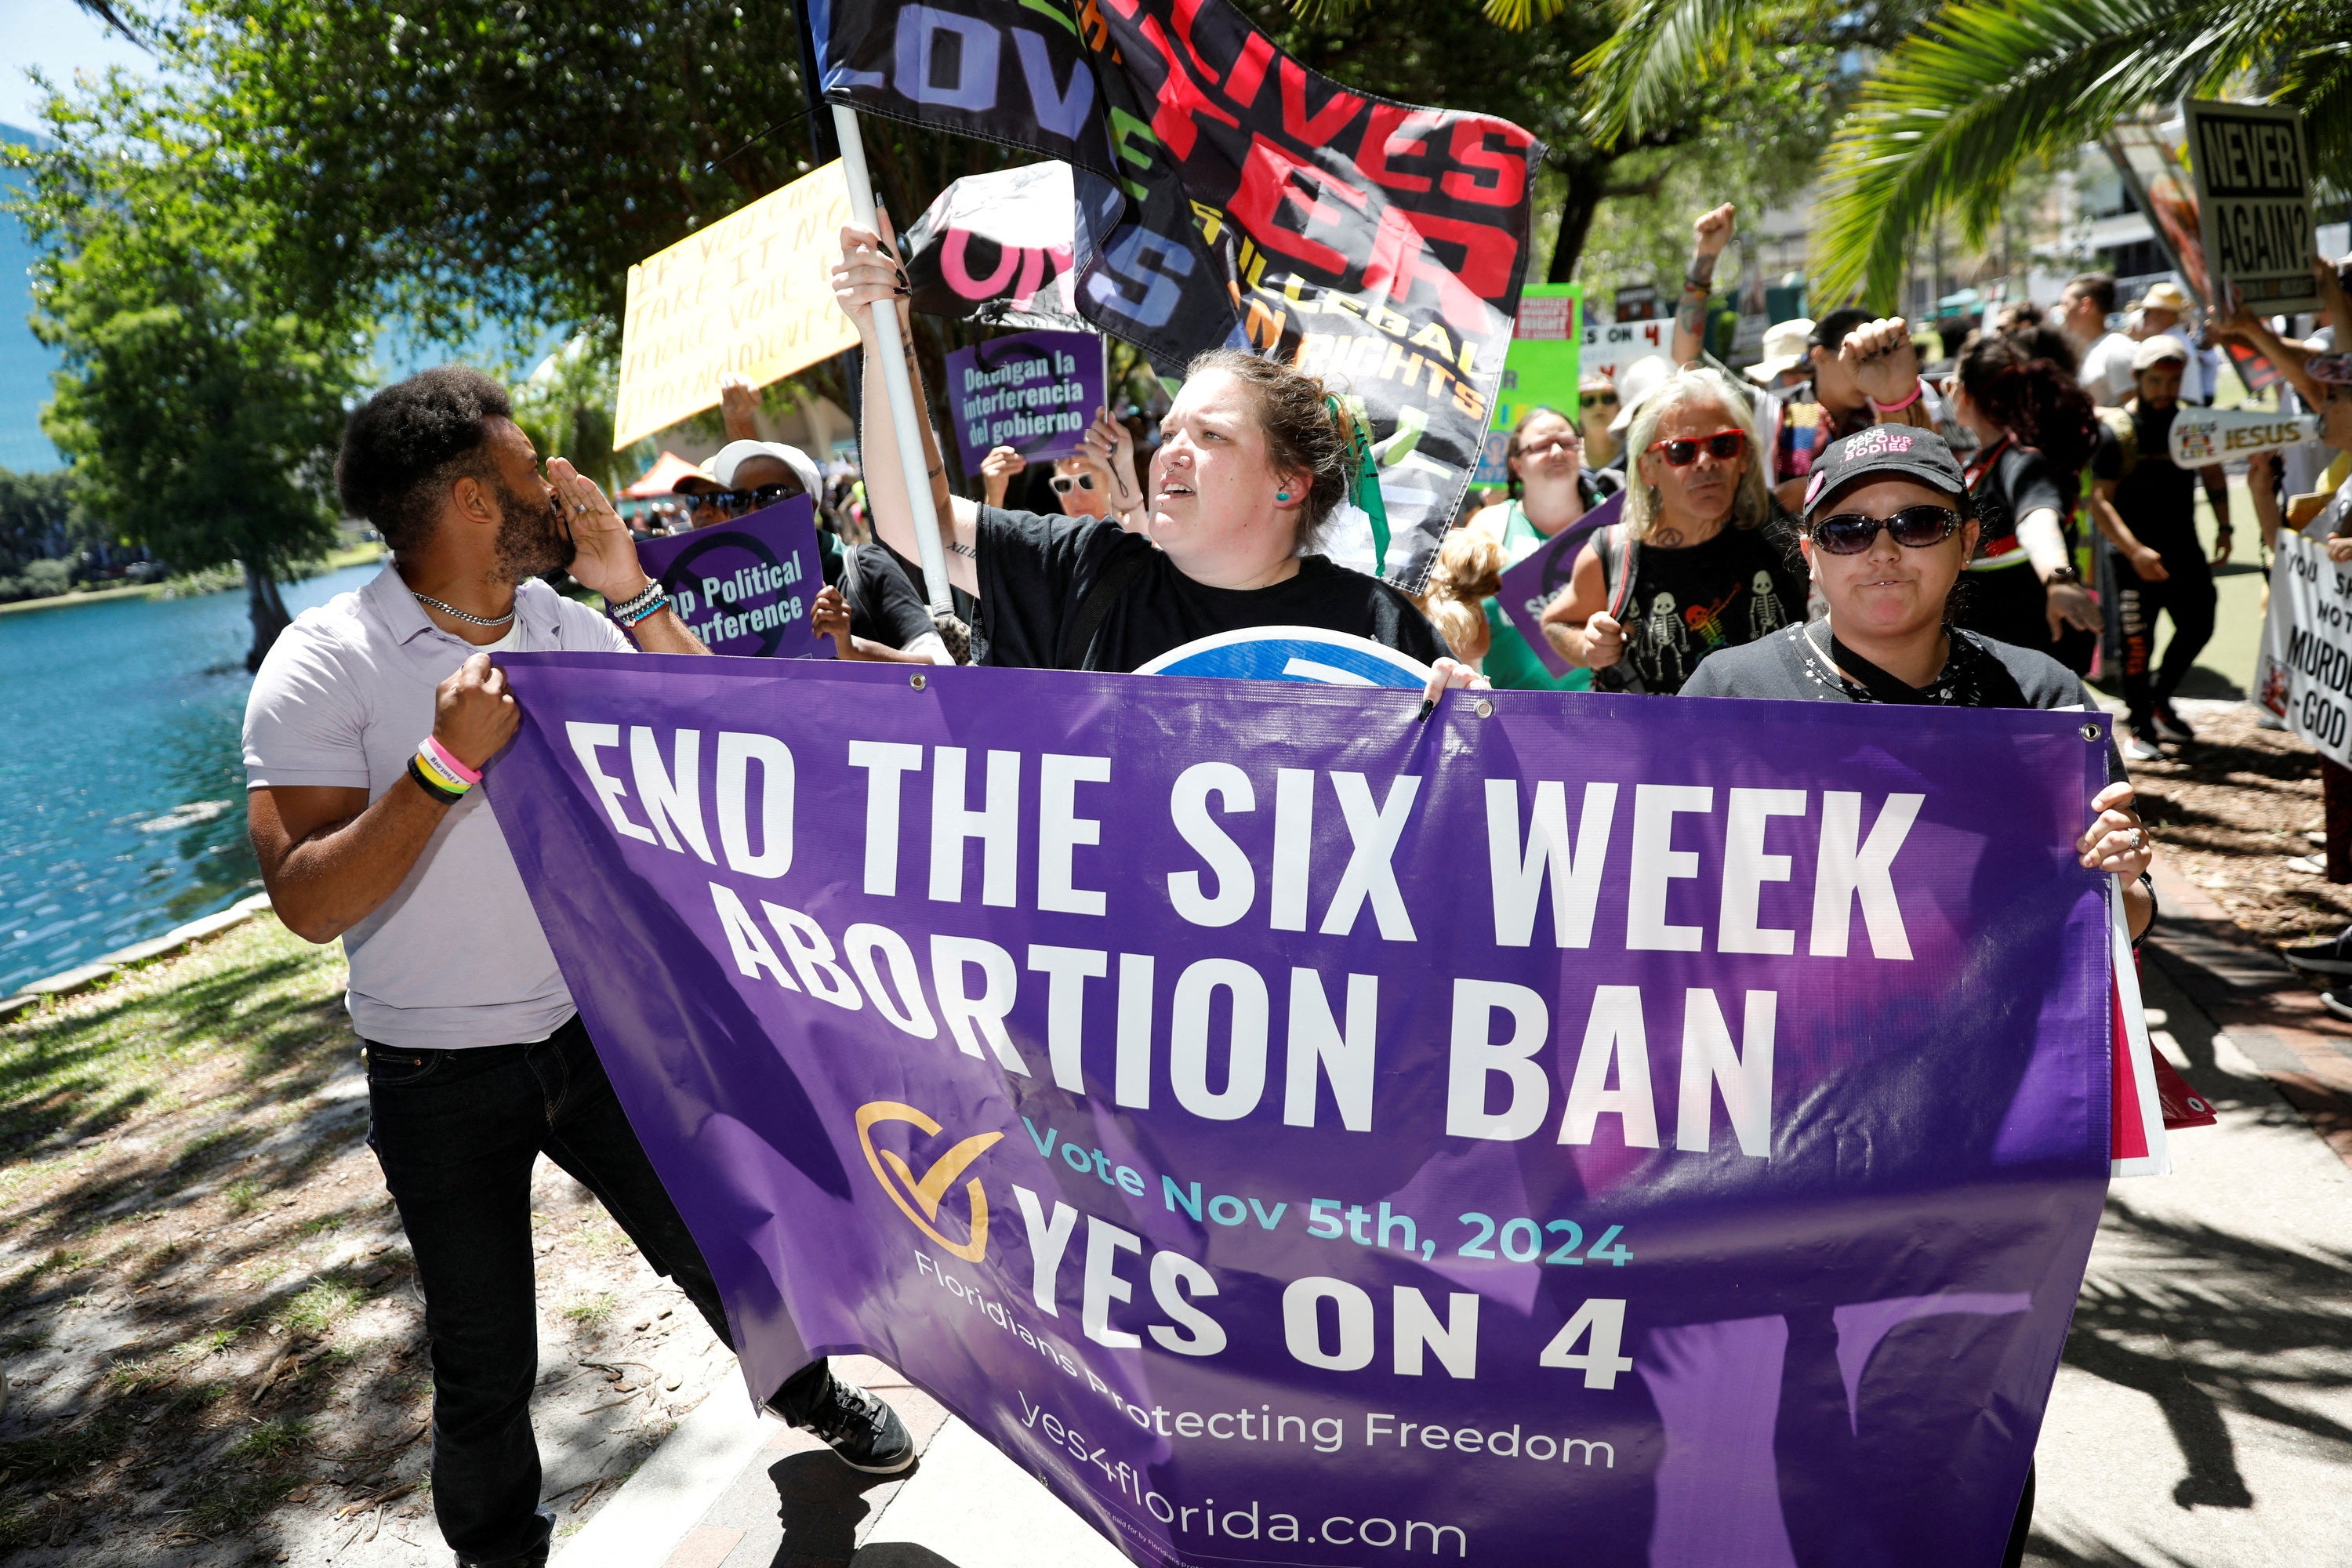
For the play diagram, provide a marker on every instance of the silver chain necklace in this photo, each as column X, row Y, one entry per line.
column 454, row 610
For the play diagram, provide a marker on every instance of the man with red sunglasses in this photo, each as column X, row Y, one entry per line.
column 1697, row 563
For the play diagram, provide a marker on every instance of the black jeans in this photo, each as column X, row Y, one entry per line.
column 2188, row 597
column 457, row 1133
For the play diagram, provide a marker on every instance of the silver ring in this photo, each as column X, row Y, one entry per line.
column 2137, row 837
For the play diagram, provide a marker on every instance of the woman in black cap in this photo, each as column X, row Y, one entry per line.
column 1888, row 527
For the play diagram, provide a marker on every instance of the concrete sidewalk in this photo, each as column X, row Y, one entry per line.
column 732, row 1490
column 2203, row 1419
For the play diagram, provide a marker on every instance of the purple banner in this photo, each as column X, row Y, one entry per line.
column 1033, row 392
column 1543, row 577
column 747, row 587
column 1590, row 1129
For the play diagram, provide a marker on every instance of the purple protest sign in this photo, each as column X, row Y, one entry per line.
column 1226, row 1090
column 747, row 587
column 1543, row 575
column 1033, row 392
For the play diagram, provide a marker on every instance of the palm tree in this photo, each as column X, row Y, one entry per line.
column 105, row 13
column 1979, row 89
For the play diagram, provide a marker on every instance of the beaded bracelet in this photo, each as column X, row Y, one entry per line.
column 634, row 610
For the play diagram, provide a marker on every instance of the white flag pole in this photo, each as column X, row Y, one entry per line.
column 900, row 391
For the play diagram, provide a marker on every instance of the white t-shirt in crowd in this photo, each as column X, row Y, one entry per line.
column 2106, row 372
column 455, row 956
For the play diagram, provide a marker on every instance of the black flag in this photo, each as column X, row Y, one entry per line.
column 1225, row 194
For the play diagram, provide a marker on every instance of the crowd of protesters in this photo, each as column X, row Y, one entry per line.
column 1829, row 525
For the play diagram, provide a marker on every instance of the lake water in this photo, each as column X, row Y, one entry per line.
column 123, row 784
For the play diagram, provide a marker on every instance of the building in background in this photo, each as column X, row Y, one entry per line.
column 26, row 364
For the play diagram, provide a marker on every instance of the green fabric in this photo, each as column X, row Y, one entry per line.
column 1511, row 664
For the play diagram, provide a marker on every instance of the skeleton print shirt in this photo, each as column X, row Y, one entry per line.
column 1740, row 586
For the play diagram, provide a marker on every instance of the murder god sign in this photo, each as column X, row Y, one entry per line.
column 2304, row 672
column 751, row 293
column 1033, row 392
column 746, row 587
column 1646, row 1133
column 2253, row 194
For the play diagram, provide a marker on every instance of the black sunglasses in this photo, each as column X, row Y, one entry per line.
column 1597, row 400
column 1065, row 483
column 1913, row 528
column 735, row 503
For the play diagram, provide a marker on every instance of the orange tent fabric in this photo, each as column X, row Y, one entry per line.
column 662, row 478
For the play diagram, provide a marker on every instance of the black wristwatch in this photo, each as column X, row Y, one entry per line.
column 2066, row 574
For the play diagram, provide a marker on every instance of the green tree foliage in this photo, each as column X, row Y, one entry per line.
column 566, row 405
column 485, row 160
column 481, row 163
column 1969, row 97
column 39, row 517
column 199, row 403
column 45, row 536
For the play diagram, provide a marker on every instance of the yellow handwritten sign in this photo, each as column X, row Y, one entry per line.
column 751, row 293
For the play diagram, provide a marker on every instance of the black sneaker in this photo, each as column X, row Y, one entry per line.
column 2168, row 726
column 866, row 1432
column 535, row 1557
column 2332, row 956
column 2339, row 1003
column 2141, row 745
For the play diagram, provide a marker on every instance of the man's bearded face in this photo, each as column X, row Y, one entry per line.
column 532, row 538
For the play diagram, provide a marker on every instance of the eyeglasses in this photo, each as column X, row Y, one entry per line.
column 1682, row 452
column 735, row 504
column 1065, row 483
column 1555, row 443
column 1913, row 528
column 1597, row 399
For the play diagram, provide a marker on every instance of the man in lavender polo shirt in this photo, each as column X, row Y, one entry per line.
column 368, row 727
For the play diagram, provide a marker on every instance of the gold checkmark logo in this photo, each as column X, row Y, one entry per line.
column 899, row 1181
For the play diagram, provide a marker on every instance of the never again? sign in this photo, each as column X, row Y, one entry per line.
column 1649, row 1133
column 2253, row 196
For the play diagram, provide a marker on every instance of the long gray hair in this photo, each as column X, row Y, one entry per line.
column 1751, row 505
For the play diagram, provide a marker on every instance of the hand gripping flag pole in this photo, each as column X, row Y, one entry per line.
column 900, row 391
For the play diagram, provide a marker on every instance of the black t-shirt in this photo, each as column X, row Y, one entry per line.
column 882, row 605
column 2157, row 499
column 1035, row 571
column 2018, row 481
column 1793, row 665
column 1691, row 601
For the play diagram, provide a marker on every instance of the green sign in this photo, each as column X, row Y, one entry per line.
column 1541, row 370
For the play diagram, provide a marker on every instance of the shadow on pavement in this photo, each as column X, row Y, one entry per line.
column 821, row 1502
column 2041, row 1552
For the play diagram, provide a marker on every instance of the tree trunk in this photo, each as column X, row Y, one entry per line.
column 268, row 612
column 1588, row 186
